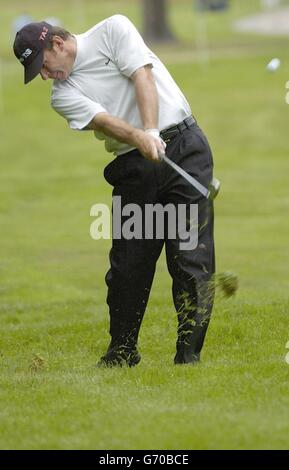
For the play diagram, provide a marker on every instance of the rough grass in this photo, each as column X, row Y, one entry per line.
column 52, row 292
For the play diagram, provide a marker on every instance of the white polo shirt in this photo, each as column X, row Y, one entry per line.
column 107, row 56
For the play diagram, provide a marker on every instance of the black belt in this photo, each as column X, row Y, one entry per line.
column 171, row 132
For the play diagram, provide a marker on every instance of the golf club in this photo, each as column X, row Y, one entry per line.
column 209, row 193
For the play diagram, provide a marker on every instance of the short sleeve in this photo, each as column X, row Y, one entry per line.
column 75, row 107
column 127, row 46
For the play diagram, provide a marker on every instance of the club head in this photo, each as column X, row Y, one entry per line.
column 214, row 188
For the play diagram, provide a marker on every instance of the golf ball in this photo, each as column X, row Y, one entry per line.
column 274, row 64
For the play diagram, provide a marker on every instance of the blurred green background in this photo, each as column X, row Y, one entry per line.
column 53, row 314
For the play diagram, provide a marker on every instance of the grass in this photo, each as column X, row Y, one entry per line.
column 52, row 292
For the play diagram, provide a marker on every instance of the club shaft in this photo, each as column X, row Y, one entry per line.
column 204, row 191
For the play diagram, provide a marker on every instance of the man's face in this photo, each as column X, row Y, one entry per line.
column 57, row 63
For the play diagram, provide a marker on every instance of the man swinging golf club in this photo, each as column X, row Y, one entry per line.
column 108, row 81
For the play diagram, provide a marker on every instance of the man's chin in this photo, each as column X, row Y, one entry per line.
column 60, row 76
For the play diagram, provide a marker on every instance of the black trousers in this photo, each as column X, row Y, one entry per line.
column 133, row 261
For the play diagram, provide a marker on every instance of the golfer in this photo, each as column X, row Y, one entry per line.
column 108, row 81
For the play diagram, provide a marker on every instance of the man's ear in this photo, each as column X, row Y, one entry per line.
column 58, row 42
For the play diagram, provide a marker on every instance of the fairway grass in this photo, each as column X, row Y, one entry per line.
column 53, row 313
column 237, row 398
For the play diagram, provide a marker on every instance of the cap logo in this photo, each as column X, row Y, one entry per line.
column 43, row 34
column 25, row 55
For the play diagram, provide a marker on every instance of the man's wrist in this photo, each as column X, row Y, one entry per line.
column 136, row 136
column 153, row 132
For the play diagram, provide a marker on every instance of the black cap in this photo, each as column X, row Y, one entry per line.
column 29, row 46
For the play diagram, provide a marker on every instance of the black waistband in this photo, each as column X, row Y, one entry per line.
column 168, row 134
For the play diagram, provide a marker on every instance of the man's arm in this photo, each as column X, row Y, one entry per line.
column 146, row 96
column 124, row 132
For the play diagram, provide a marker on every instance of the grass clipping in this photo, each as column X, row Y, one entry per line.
column 37, row 364
column 228, row 283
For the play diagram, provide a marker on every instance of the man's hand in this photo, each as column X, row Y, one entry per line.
column 149, row 146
